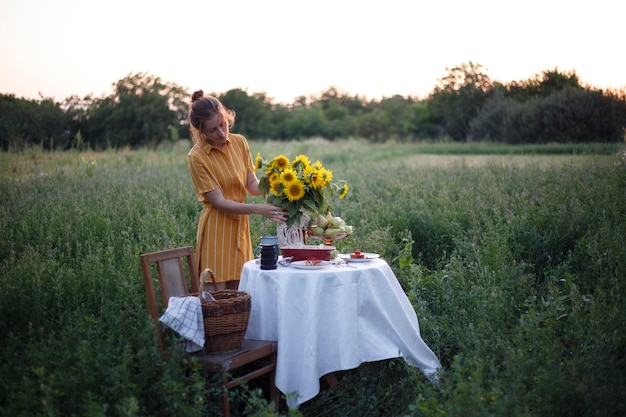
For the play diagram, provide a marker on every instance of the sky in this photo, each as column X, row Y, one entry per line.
column 291, row 48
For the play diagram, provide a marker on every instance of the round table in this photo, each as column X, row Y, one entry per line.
column 330, row 319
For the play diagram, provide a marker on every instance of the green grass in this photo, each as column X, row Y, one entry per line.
column 513, row 259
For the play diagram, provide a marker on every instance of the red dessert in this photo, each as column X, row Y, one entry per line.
column 312, row 261
column 357, row 255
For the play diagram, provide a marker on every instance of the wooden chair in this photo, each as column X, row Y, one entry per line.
column 258, row 356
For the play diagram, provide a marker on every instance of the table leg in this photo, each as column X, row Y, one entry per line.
column 331, row 379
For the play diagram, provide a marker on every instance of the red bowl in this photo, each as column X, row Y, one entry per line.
column 309, row 251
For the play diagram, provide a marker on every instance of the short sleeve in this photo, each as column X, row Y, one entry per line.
column 247, row 155
column 203, row 179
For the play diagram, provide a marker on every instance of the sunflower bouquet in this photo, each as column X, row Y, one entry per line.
column 299, row 186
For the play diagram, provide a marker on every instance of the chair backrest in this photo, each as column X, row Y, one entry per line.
column 173, row 281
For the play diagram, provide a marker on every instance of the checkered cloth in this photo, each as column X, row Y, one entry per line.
column 184, row 316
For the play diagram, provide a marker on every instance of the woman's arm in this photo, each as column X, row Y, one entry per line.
column 270, row 211
column 252, row 184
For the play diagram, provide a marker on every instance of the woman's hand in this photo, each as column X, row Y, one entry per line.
column 273, row 213
column 268, row 210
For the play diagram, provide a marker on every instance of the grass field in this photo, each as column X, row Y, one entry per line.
column 513, row 257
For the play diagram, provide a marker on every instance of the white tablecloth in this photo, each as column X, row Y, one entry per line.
column 332, row 319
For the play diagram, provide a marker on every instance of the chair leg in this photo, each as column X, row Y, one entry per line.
column 331, row 379
column 274, row 393
column 225, row 399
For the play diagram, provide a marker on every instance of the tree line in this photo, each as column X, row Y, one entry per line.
column 465, row 105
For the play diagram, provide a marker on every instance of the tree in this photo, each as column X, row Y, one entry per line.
column 393, row 118
column 14, row 131
column 422, row 126
column 459, row 97
column 342, row 111
column 253, row 112
column 279, row 117
column 76, row 112
column 570, row 115
column 306, row 122
column 142, row 110
column 542, row 85
column 29, row 122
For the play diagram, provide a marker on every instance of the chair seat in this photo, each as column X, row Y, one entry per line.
column 250, row 351
column 261, row 353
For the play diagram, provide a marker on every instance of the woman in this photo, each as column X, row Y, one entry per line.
column 222, row 171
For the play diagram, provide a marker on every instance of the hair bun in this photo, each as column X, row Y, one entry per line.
column 196, row 95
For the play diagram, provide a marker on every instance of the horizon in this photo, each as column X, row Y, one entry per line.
column 310, row 95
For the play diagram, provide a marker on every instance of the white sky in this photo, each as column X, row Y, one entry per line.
column 289, row 48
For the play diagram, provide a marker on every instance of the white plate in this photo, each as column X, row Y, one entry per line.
column 303, row 265
column 368, row 257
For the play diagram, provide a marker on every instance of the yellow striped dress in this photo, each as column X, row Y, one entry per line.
column 223, row 239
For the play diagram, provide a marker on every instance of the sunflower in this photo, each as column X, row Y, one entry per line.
column 270, row 168
column 275, row 187
column 322, row 178
column 258, row 162
column 317, row 165
column 308, row 170
column 281, row 162
column 301, row 160
column 288, row 176
column 344, row 191
column 294, row 191
column 316, row 179
column 328, row 176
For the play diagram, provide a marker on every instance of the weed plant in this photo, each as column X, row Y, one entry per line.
column 516, row 272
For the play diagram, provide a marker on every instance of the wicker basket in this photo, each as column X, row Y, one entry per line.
column 225, row 319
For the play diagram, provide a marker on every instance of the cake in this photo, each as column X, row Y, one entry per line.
column 357, row 255
column 312, row 261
